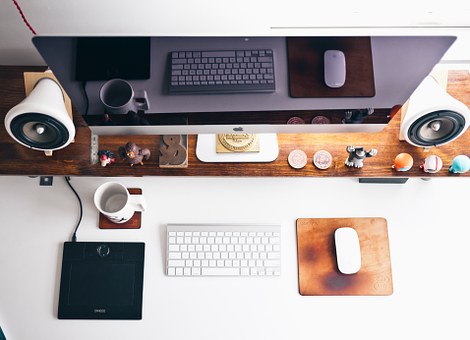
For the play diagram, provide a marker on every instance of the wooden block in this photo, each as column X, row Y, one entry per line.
column 318, row 271
column 441, row 76
column 173, row 151
column 403, row 111
column 133, row 223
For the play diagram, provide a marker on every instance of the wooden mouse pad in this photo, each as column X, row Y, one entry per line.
column 318, row 271
column 306, row 67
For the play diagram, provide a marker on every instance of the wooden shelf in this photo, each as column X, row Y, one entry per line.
column 75, row 159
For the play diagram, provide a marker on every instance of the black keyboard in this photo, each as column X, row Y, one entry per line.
column 224, row 71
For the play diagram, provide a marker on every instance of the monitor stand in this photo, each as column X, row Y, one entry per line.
column 206, row 150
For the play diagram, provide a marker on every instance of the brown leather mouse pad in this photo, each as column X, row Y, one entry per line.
column 306, row 67
column 318, row 270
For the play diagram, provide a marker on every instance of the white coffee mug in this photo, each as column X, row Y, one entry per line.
column 118, row 97
column 115, row 202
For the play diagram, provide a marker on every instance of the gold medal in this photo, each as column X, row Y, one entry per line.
column 237, row 142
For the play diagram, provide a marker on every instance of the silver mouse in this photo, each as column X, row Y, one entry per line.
column 335, row 68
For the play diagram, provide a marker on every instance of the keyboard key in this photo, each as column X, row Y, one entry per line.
column 176, row 263
column 172, row 247
column 174, row 255
column 272, row 263
column 221, row 271
column 274, row 255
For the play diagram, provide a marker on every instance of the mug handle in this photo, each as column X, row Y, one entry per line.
column 138, row 202
column 141, row 95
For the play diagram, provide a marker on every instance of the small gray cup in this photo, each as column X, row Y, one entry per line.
column 118, row 97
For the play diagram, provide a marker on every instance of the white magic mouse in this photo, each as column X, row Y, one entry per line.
column 335, row 68
column 348, row 250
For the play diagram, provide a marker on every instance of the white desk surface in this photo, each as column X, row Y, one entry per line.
column 429, row 235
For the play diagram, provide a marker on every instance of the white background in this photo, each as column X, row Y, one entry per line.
column 428, row 234
column 243, row 17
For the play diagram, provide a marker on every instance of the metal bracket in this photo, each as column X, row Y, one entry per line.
column 94, row 145
column 45, row 181
column 388, row 180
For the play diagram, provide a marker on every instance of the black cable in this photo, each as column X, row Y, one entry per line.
column 24, row 17
column 74, row 235
column 85, row 94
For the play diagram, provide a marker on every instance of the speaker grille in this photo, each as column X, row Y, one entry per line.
column 436, row 128
column 39, row 131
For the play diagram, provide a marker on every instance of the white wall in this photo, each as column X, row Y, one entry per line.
column 222, row 17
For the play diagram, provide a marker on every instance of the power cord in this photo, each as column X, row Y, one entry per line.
column 85, row 94
column 18, row 7
column 74, row 235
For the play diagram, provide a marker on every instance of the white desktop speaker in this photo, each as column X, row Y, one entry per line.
column 41, row 121
column 433, row 117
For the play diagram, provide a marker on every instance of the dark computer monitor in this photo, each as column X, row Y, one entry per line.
column 384, row 72
column 112, row 57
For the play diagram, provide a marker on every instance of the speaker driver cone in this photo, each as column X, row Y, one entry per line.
column 436, row 128
column 39, row 131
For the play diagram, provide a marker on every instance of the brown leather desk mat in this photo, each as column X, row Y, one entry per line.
column 305, row 65
column 133, row 223
column 318, row 271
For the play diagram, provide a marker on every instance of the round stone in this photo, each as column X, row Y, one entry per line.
column 322, row 159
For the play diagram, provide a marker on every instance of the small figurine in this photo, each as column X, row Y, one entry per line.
column 460, row 164
column 106, row 120
column 134, row 154
column 403, row 162
column 432, row 164
column 357, row 156
column 106, row 157
column 357, row 116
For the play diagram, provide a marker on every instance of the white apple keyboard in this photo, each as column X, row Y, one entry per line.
column 223, row 250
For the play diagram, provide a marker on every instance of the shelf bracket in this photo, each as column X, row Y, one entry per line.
column 398, row 180
column 94, row 144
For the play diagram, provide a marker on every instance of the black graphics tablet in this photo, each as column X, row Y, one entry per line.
column 101, row 280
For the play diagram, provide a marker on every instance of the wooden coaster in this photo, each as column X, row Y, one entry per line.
column 318, row 271
column 133, row 223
